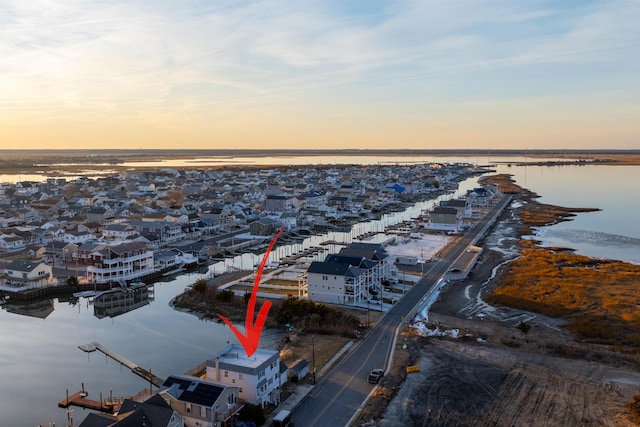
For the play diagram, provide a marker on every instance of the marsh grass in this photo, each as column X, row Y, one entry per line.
column 600, row 299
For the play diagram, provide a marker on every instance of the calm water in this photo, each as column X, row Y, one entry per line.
column 39, row 355
column 613, row 232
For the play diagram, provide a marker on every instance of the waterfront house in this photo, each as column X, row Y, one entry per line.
column 126, row 261
column 28, row 273
column 257, row 377
column 353, row 276
column 335, row 283
column 201, row 403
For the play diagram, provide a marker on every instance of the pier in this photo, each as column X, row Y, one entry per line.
column 109, row 405
column 138, row 370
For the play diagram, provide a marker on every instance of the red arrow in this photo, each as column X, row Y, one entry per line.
column 251, row 338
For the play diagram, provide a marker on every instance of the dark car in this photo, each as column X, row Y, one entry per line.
column 375, row 376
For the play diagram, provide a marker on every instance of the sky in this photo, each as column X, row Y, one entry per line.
column 359, row 74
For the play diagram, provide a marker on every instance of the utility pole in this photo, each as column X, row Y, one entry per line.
column 313, row 359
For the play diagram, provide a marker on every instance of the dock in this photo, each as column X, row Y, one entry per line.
column 109, row 405
column 80, row 399
column 138, row 370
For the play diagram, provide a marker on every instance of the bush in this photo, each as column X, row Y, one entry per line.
column 200, row 286
column 252, row 413
column 225, row 295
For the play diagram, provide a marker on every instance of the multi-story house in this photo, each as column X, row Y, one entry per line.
column 351, row 277
column 119, row 231
column 168, row 232
column 257, row 377
column 201, row 403
column 28, row 273
column 126, row 261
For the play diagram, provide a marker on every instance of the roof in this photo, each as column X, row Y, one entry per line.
column 152, row 412
column 234, row 358
column 23, row 265
column 334, row 268
column 193, row 390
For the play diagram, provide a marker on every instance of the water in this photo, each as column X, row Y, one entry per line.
column 40, row 359
column 613, row 232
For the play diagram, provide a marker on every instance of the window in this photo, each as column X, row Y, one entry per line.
column 240, row 390
column 240, row 376
column 187, row 408
column 226, row 374
column 233, row 380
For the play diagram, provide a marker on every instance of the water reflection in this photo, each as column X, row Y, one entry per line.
column 115, row 302
column 38, row 309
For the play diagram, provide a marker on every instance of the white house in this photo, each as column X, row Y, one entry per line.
column 126, row 261
column 11, row 242
column 353, row 276
column 257, row 377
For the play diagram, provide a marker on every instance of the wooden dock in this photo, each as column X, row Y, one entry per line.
column 80, row 399
column 110, row 405
column 138, row 370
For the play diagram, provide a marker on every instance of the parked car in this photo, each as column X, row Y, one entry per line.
column 375, row 376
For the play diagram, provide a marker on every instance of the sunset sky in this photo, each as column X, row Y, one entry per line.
column 319, row 74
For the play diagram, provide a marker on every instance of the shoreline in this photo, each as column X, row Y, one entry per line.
column 79, row 161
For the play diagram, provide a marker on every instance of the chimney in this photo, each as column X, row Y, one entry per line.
column 218, row 369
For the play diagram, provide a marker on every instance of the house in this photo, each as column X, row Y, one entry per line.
column 353, row 276
column 154, row 411
column 11, row 242
column 289, row 219
column 264, row 227
column 28, row 273
column 443, row 218
column 201, row 403
column 168, row 231
column 126, row 261
column 219, row 214
column 257, row 377
column 197, row 249
column 335, row 283
column 276, row 203
column 119, row 231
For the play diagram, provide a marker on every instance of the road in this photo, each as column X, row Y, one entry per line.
column 337, row 397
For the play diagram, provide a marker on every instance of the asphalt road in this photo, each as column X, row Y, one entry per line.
column 337, row 397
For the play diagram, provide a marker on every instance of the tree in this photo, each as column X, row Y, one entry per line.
column 72, row 280
column 200, row 286
column 175, row 198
